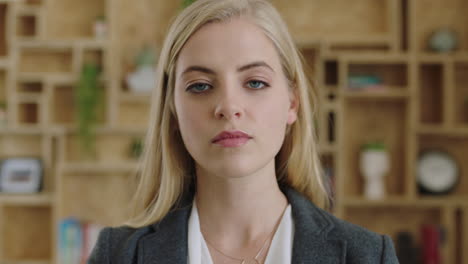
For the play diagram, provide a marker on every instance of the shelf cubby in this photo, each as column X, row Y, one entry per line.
column 3, row 30
column 331, row 73
column 36, row 87
column 111, row 148
column 63, row 109
column 12, row 145
column 431, row 95
column 392, row 220
column 86, row 194
column 461, row 238
column 388, row 219
column 95, row 56
column 46, row 60
column 26, row 26
column 455, row 146
column 77, row 25
column 28, row 113
column 134, row 113
column 33, row 2
column 375, row 121
column 27, row 233
column 431, row 15
column 363, row 24
column 461, row 94
column 393, row 76
column 3, row 87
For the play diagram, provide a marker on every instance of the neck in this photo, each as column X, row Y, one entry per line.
column 239, row 213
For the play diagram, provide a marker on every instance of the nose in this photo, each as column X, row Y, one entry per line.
column 229, row 106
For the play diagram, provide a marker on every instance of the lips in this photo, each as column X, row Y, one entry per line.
column 231, row 138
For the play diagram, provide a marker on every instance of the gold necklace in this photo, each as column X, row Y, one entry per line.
column 255, row 259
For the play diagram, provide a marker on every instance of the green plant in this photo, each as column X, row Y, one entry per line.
column 88, row 97
column 186, row 3
column 376, row 146
column 136, row 148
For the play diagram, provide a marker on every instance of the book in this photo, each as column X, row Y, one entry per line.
column 76, row 240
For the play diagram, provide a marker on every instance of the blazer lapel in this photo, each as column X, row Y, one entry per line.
column 311, row 244
column 168, row 243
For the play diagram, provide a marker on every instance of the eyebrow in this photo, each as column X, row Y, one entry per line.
column 240, row 69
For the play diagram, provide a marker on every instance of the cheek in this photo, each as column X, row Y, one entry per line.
column 189, row 121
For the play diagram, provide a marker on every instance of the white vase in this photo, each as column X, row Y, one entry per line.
column 143, row 80
column 100, row 29
column 374, row 165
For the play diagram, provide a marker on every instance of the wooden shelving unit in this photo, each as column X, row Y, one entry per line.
column 423, row 104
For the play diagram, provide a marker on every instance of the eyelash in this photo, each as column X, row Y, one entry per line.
column 191, row 87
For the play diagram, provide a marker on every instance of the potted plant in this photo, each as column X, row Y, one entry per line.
column 88, row 98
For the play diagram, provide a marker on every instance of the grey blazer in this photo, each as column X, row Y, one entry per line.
column 319, row 238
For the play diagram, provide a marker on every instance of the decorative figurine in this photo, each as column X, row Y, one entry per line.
column 374, row 165
column 443, row 40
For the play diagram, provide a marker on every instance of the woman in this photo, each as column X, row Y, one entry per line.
column 231, row 172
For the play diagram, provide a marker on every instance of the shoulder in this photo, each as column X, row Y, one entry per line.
column 116, row 241
column 351, row 242
column 362, row 245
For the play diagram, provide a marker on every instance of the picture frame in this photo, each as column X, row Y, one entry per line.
column 21, row 175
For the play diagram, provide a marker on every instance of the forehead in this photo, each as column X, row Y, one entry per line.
column 230, row 44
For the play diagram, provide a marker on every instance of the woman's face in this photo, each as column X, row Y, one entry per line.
column 232, row 99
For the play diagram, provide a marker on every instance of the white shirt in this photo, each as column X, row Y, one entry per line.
column 280, row 251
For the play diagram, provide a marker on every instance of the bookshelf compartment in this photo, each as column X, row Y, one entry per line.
column 432, row 15
column 63, row 105
column 391, row 220
column 19, row 146
column 3, row 30
column 331, row 73
column 26, row 26
column 461, row 94
column 3, row 87
column 367, row 122
column 378, row 76
column 85, row 195
column 22, row 229
column 79, row 24
column 457, row 147
column 28, row 113
column 33, row 2
column 30, row 87
column 134, row 114
column 431, row 93
column 360, row 23
column 112, row 148
column 43, row 60
column 463, row 235
column 329, row 169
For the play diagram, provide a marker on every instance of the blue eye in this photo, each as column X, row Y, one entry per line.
column 257, row 84
column 198, row 87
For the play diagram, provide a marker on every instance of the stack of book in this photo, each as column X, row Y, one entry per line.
column 365, row 82
column 76, row 240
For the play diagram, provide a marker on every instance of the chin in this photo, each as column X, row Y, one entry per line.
column 235, row 169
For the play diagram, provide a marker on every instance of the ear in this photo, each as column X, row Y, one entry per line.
column 293, row 106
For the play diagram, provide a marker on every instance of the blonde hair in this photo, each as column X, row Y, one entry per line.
column 167, row 167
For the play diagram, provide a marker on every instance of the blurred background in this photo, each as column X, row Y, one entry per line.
column 75, row 82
